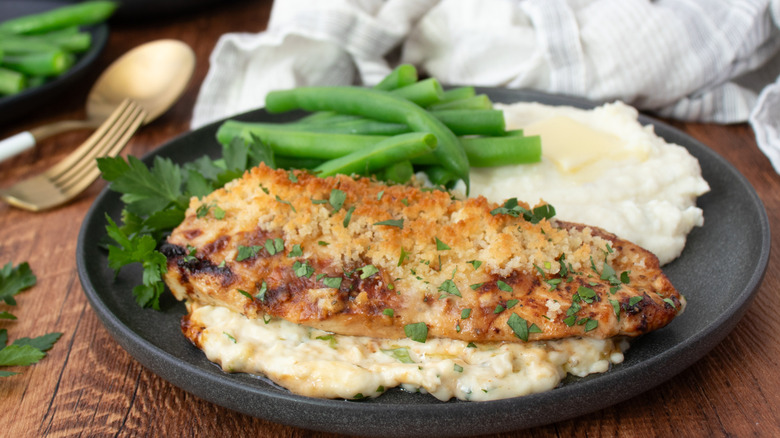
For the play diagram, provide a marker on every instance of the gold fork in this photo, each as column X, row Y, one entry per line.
column 66, row 179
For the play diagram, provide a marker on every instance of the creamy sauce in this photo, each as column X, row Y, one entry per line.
column 315, row 363
column 602, row 167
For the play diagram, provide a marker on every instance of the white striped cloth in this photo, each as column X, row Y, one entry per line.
column 694, row 60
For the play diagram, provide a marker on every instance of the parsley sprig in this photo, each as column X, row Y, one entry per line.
column 155, row 201
column 22, row 351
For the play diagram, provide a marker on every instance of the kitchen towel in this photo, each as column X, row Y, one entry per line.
column 693, row 60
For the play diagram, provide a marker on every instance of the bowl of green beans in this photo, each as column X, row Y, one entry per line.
column 45, row 47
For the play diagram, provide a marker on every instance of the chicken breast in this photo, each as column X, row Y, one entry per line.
column 356, row 257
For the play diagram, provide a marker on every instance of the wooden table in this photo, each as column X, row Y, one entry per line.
column 90, row 386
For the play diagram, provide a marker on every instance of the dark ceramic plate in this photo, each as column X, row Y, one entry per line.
column 719, row 272
column 17, row 105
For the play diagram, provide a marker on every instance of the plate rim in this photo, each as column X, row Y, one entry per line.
column 162, row 362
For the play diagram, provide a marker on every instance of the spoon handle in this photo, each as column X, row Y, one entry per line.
column 16, row 144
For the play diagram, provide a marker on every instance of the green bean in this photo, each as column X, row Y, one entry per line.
column 79, row 14
column 301, row 144
column 71, row 42
column 379, row 105
column 440, row 176
column 473, row 122
column 496, row 151
column 401, row 76
column 480, row 101
column 389, row 151
column 11, row 82
column 296, row 163
column 458, row 94
column 16, row 45
column 423, row 93
column 51, row 63
column 399, row 173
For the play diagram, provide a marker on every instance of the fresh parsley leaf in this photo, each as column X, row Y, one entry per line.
column 43, row 343
column 441, row 246
column 400, row 354
column 511, row 303
column 260, row 295
column 7, row 315
column 503, row 286
column 417, row 332
column 332, row 282
column 586, row 294
column 388, row 312
column 499, row 308
column 247, row 252
column 670, row 302
column 475, row 264
column 367, row 271
column 449, row 287
column 476, row 286
column 519, row 326
column 634, row 301
column 20, row 355
column 591, row 324
column 303, row 269
column 348, row 216
column 399, row 223
column 296, row 251
column 336, row 199
column 15, row 280
column 465, row 313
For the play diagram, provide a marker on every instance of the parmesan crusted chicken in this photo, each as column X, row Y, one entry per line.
column 356, row 257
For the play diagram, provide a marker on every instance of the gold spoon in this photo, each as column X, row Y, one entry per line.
column 153, row 75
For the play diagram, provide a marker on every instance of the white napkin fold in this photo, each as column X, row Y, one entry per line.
column 693, row 60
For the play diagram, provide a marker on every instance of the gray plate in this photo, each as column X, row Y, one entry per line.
column 719, row 272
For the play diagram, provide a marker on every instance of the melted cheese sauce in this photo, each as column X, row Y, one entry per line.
column 315, row 363
column 602, row 167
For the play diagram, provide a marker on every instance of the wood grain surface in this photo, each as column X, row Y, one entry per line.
column 89, row 386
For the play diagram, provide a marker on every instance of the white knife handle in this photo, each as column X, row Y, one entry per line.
column 16, row 144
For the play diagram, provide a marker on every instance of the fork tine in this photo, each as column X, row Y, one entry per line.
column 88, row 160
column 78, row 182
column 76, row 156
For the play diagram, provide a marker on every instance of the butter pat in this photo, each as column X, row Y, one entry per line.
column 572, row 145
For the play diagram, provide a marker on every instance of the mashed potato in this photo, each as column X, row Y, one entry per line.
column 602, row 167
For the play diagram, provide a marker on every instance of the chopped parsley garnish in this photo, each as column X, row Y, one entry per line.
column 388, row 312
column 367, row 271
column 260, row 295
column 337, row 199
column 417, row 332
column 511, row 303
column 503, row 286
column 616, row 307
column 332, row 282
column 229, row 336
column 405, row 202
column 634, row 301
column 404, row 256
column 332, row 342
column 465, row 313
column 586, row 294
column 512, row 208
column 458, row 368
column 475, row 264
column 291, row 176
column 248, row 252
column 348, row 216
column 400, row 354
column 449, row 287
column 471, row 345
column 303, row 269
column 591, row 324
column 190, row 256
column 204, row 209
column 670, row 302
column 519, row 326
column 399, row 223
column 286, row 202
column 499, row 308
column 476, row 286
column 322, row 243
column 441, row 246
column 274, row 246
column 246, row 294
column 296, row 251
column 379, row 195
